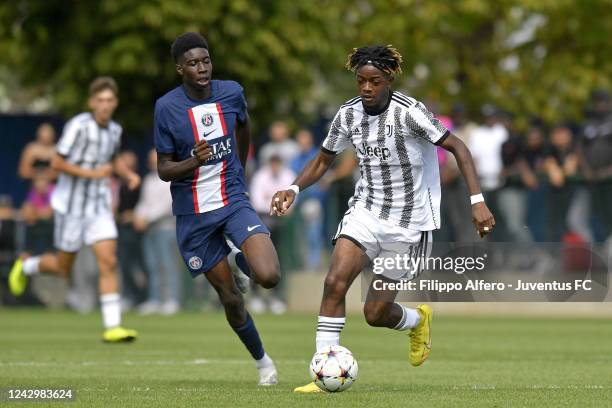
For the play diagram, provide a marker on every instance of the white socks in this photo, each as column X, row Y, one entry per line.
column 410, row 318
column 267, row 371
column 328, row 331
column 264, row 362
column 329, row 328
column 111, row 310
column 30, row 265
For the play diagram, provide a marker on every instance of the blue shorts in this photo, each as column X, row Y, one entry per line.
column 201, row 237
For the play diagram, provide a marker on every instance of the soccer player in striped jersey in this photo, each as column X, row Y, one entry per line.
column 202, row 139
column 396, row 202
column 81, row 201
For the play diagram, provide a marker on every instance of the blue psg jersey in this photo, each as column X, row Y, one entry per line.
column 180, row 122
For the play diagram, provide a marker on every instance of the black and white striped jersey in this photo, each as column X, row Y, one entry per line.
column 86, row 144
column 400, row 179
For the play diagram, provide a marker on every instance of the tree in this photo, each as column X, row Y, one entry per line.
column 530, row 57
column 59, row 47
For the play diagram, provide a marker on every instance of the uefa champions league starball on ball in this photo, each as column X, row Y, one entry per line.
column 333, row 368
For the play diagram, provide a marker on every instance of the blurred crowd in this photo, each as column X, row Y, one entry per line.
column 547, row 183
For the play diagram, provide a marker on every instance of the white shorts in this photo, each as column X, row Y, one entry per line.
column 382, row 239
column 72, row 232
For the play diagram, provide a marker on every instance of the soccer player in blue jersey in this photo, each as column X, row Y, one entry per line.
column 202, row 139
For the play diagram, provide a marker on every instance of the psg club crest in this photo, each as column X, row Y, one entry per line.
column 195, row 263
column 207, row 120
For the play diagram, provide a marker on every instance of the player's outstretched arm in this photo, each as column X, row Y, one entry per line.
column 481, row 216
column 170, row 169
column 314, row 170
column 60, row 164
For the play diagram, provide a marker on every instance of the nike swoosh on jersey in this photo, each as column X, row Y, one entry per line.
column 251, row 228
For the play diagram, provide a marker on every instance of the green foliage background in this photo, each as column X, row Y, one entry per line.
column 290, row 55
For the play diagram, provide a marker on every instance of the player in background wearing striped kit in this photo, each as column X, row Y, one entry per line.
column 86, row 159
column 396, row 204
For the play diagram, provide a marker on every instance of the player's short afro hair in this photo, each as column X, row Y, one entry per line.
column 185, row 42
column 384, row 57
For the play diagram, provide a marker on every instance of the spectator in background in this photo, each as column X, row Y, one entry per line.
column 8, row 247
column 485, row 145
column 561, row 160
column 561, row 166
column 37, row 205
column 311, row 202
column 456, row 206
column 535, row 147
column 36, row 157
column 535, row 154
column 38, row 215
column 596, row 148
column 269, row 179
column 265, row 182
column 280, row 145
column 35, row 165
column 153, row 217
column 517, row 179
column 129, row 245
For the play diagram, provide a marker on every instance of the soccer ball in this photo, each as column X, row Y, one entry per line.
column 333, row 368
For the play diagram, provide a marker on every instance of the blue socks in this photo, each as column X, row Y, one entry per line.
column 250, row 337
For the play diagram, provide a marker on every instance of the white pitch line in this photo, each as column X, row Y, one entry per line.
column 198, row 361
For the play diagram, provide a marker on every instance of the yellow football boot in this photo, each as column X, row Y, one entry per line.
column 420, row 336
column 119, row 335
column 308, row 389
column 18, row 281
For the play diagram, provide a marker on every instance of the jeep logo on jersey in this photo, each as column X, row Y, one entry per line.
column 207, row 119
column 383, row 153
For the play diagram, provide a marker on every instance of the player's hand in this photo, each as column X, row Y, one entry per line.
column 483, row 219
column 133, row 181
column 281, row 201
column 202, row 151
column 106, row 170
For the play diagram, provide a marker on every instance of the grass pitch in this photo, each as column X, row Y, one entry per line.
column 194, row 359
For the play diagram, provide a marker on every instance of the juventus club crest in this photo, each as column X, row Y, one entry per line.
column 207, row 119
column 388, row 130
